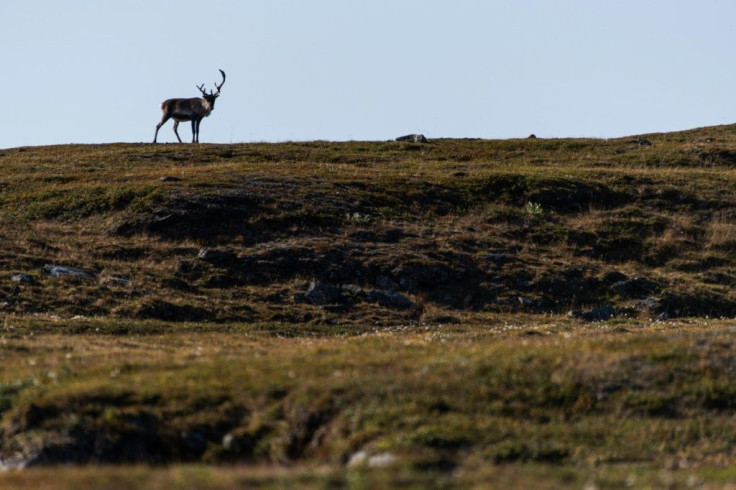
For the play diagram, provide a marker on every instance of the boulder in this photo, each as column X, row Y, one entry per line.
column 61, row 271
column 322, row 294
column 600, row 314
column 413, row 138
column 21, row 278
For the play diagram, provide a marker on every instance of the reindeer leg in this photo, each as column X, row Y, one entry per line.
column 194, row 131
column 158, row 126
column 199, row 121
column 176, row 126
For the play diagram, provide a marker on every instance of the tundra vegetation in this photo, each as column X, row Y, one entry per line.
column 461, row 313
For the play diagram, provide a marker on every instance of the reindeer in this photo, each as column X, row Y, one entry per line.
column 194, row 109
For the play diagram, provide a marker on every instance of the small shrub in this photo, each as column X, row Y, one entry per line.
column 534, row 209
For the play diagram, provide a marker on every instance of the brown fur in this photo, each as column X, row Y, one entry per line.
column 194, row 109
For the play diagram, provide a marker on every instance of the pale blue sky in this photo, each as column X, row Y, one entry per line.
column 96, row 71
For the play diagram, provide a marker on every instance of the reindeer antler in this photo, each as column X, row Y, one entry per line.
column 223, row 82
column 201, row 89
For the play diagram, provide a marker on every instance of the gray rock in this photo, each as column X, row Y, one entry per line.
column 117, row 280
column 61, row 271
column 651, row 304
column 389, row 299
column 230, row 443
column 358, row 459
column 380, row 460
column 21, row 278
column 525, row 302
column 599, row 314
column 352, row 289
column 413, row 138
column 654, row 307
column 322, row 294
column 14, row 463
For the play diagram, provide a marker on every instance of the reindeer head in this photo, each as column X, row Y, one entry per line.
column 212, row 96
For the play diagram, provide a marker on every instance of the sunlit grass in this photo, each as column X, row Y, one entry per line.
column 476, row 394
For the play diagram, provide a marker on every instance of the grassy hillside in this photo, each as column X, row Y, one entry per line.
column 525, row 312
column 235, row 233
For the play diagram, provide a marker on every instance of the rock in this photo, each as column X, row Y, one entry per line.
column 532, row 136
column 352, row 289
column 654, row 307
column 413, row 138
column 380, row 460
column 389, row 299
column 643, row 142
column 358, row 459
column 353, row 293
column 599, row 314
column 14, row 463
column 169, row 178
column 117, row 280
column 21, row 278
column 525, row 302
column 322, row 294
column 61, row 271
column 230, row 443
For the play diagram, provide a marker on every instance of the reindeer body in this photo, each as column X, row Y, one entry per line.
column 188, row 109
column 194, row 109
